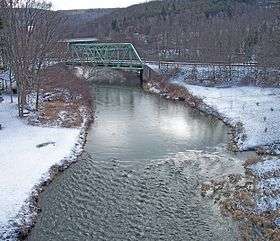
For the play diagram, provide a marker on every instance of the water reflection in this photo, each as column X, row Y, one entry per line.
column 139, row 177
column 131, row 121
column 176, row 126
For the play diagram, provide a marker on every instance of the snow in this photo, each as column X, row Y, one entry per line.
column 154, row 67
column 153, row 89
column 205, row 74
column 266, row 167
column 23, row 165
column 257, row 109
column 225, row 76
column 268, row 203
column 4, row 76
column 268, row 184
column 254, row 111
column 277, row 222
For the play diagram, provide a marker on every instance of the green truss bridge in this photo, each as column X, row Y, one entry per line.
column 113, row 55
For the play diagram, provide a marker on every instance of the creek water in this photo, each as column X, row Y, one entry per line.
column 139, row 177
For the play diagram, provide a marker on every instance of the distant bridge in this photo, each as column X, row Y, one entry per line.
column 113, row 55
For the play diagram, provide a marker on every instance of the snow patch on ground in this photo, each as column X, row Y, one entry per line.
column 268, row 203
column 154, row 67
column 154, row 90
column 257, row 109
column 268, row 184
column 5, row 78
column 219, row 75
column 261, row 169
column 23, row 165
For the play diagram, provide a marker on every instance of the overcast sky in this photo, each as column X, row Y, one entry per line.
column 84, row 4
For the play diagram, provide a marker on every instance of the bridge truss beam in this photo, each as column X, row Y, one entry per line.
column 114, row 55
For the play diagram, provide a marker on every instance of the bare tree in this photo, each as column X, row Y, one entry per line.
column 30, row 37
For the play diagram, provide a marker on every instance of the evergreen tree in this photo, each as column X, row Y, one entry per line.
column 174, row 6
column 163, row 13
column 115, row 25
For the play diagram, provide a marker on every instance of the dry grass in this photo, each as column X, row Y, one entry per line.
column 238, row 202
column 64, row 99
column 251, row 161
column 236, row 196
column 51, row 112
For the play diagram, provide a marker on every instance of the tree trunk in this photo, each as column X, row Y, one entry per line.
column 37, row 94
column 11, row 85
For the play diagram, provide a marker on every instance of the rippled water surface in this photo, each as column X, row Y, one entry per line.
column 139, row 176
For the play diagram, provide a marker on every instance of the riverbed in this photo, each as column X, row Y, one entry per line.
column 139, row 177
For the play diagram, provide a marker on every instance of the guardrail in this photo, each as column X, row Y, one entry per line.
column 175, row 63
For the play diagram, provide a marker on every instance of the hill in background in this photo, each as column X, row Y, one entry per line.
column 76, row 20
column 189, row 30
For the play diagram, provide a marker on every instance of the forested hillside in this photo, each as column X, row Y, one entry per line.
column 196, row 30
column 77, row 19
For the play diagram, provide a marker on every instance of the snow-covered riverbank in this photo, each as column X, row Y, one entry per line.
column 26, row 155
column 254, row 112
column 256, row 109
